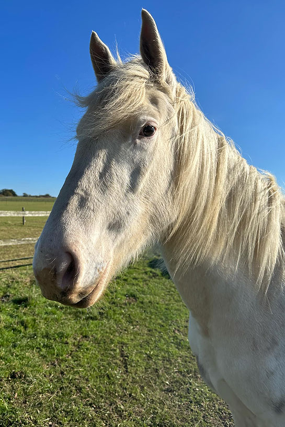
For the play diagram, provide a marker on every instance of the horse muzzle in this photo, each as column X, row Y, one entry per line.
column 66, row 277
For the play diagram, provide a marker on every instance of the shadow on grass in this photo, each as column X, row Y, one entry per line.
column 157, row 263
column 23, row 301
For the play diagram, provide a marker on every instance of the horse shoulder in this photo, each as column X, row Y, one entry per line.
column 239, row 343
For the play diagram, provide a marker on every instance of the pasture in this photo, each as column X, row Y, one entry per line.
column 12, row 227
column 124, row 362
column 29, row 203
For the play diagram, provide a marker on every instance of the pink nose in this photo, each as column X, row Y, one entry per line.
column 57, row 274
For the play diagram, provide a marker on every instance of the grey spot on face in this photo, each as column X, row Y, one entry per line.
column 135, row 178
column 274, row 342
column 269, row 373
column 279, row 406
column 104, row 174
column 272, row 345
column 254, row 345
column 82, row 202
column 115, row 226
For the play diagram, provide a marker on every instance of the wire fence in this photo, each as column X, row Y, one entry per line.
column 14, row 242
column 15, row 260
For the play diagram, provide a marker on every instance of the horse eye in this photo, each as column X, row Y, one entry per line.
column 147, row 131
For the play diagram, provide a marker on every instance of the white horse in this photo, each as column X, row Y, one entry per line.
column 148, row 168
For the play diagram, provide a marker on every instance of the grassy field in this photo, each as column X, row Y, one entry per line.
column 124, row 362
column 29, row 203
column 12, row 227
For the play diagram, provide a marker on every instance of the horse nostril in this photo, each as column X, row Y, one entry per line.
column 67, row 272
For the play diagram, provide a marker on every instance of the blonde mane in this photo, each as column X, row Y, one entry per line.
column 227, row 211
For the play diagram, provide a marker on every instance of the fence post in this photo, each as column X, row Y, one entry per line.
column 23, row 218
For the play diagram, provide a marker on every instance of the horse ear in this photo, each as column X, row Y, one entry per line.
column 152, row 49
column 101, row 57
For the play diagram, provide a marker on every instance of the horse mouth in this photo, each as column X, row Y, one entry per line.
column 94, row 295
column 86, row 301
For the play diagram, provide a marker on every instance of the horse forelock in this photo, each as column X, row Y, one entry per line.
column 119, row 96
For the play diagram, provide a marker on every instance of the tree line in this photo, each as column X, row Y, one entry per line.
column 11, row 193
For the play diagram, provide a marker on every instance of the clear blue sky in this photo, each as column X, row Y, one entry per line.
column 232, row 52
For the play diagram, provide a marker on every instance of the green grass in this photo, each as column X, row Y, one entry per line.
column 29, row 203
column 124, row 362
column 12, row 227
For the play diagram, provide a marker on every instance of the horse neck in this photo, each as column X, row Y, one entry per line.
column 227, row 213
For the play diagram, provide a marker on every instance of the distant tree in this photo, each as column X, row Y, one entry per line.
column 26, row 195
column 44, row 195
column 6, row 192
